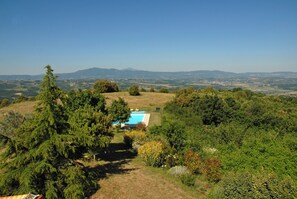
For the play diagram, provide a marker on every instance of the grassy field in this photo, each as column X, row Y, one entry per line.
column 22, row 107
column 146, row 101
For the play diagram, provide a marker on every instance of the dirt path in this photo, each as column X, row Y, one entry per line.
column 129, row 179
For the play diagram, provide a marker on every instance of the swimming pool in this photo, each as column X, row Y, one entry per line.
column 135, row 118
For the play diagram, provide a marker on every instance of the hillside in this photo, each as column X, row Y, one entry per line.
column 99, row 73
column 22, row 107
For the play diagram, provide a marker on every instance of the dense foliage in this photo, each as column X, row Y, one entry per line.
column 120, row 110
column 217, row 132
column 134, row 90
column 74, row 100
column 105, row 86
column 41, row 158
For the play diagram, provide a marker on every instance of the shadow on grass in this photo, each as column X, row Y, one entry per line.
column 116, row 156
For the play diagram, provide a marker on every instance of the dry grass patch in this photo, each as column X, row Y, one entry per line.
column 22, row 107
column 146, row 101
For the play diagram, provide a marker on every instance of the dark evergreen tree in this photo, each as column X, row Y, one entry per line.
column 41, row 159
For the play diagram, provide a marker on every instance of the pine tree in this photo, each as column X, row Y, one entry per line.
column 41, row 158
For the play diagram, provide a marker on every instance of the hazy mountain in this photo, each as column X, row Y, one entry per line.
column 130, row 73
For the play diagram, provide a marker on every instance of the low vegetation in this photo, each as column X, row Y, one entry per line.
column 220, row 136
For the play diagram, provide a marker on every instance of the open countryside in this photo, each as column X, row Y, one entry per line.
column 148, row 99
column 185, row 148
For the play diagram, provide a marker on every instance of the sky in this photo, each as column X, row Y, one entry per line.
column 154, row 35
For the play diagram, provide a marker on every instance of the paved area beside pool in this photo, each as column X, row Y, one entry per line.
column 146, row 119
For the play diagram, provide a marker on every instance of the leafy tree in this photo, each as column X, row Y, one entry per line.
column 164, row 90
column 105, row 86
column 42, row 157
column 134, row 90
column 90, row 130
column 120, row 110
column 152, row 90
column 75, row 100
column 212, row 110
column 174, row 133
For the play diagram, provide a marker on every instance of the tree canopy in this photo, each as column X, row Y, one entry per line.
column 120, row 110
column 42, row 157
column 134, row 90
column 105, row 86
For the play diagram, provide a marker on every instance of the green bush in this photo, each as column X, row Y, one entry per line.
column 105, row 86
column 134, row 90
column 245, row 185
column 164, row 90
column 188, row 179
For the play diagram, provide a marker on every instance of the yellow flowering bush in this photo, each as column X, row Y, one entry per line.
column 152, row 153
column 134, row 136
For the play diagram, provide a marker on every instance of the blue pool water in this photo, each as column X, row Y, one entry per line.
column 135, row 118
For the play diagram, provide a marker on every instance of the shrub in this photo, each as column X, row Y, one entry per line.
column 4, row 103
column 178, row 171
column 193, row 161
column 152, row 153
column 134, row 90
column 174, row 133
column 270, row 186
column 211, row 169
column 152, row 90
column 188, row 180
column 134, row 136
column 164, row 90
column 171, row 160
column 140, row 126
column 246, row 185
column 105, row 86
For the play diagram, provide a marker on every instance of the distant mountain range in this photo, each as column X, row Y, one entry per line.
column 103, row 73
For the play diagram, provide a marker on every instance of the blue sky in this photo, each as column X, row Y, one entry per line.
column 156, row 35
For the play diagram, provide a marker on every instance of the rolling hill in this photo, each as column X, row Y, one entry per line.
column 99, row 73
